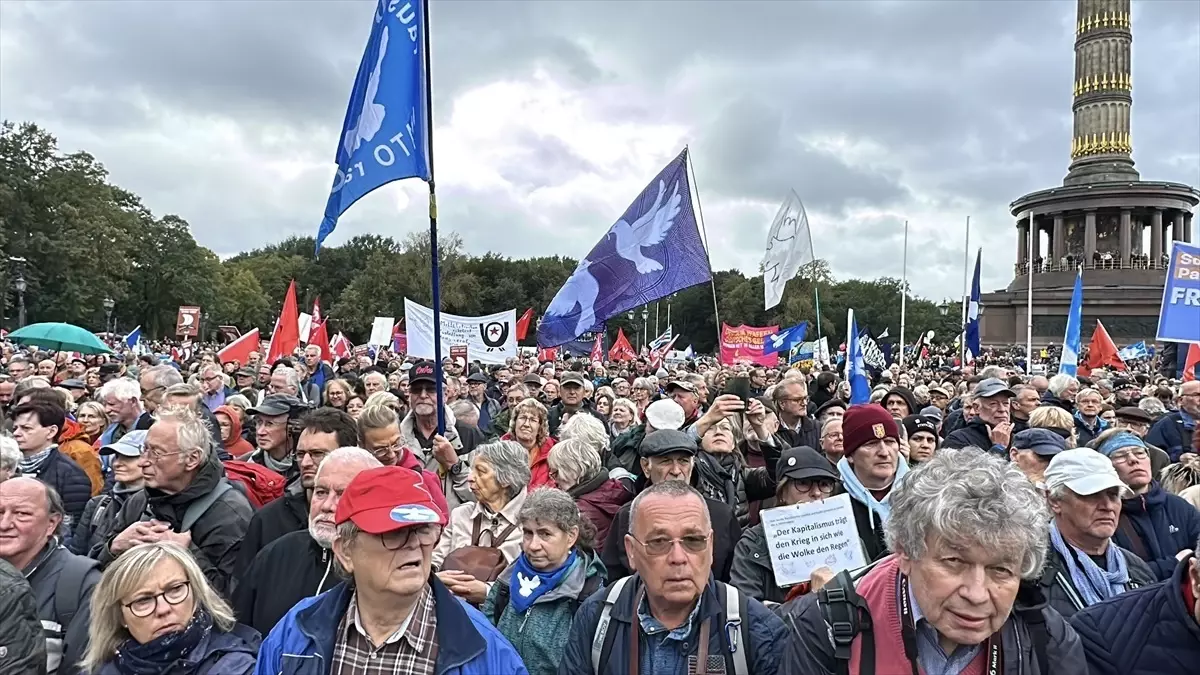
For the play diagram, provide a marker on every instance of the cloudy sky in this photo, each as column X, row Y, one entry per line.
column 552, row 115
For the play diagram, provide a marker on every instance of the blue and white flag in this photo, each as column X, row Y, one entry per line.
column 582, row 345
column 786, row 339
column 805, row 351
column 689, row 353
column 856, row 368
column 1136, row 350
column 662, row 340
column 973, row 348
column 134, row 337
column 384, row 135
column 654, row 250
column 1073, row 342
column 872, row 355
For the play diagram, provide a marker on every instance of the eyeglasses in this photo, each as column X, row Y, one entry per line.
column 531, row 419
column 824, row 487
column 315, row 455
column 660, row 546
column 427, row 535
column 1126, row 456
column 421, row 390
column 144, row 607
column 837, row 436
column 388, row 452
column 157, row 456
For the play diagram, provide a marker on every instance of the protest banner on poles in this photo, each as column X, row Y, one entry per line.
column 803, row 537
column 744, row 344
column 488, row 339
column 1179, row 316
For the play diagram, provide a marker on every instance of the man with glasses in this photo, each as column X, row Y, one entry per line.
column 321, row 432
column 1173, row 432
column 445, row 454
column 796, row 428
column 19, row 368
column 392, row 613
column 379, row 433
column 271, row 438
column 672, row 609
column 212, row 386
column 1155, row 524
column 992, row 427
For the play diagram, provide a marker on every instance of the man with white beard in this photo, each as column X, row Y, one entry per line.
column 300, row 564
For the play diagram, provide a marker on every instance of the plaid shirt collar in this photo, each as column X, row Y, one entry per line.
column 418, row 630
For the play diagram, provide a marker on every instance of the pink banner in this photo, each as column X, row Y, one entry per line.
column 744, row 344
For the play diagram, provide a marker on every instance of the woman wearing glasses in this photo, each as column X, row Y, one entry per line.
column 155, row 613
column 804, row 476
column 529, row 425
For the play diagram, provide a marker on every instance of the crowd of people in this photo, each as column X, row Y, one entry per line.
column 186, row 516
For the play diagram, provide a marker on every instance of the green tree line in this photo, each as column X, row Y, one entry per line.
column 84, row 239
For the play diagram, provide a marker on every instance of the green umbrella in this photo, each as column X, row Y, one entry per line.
column 62, row 337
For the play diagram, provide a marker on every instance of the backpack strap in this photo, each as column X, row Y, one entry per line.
column 502, row 596
column 737, row 631
column 603, row 638
column 68, row 589
column 846, row 615
column 199, row 507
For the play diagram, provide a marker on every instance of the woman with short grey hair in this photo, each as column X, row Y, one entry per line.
column 498, row 479
column 556, row 571
column 10, row 457
column 575, row 467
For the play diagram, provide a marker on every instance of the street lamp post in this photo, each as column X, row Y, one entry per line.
column 645, row 326
column 108, row 308
column 21, row 286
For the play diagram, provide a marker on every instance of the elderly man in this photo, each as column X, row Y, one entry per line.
column 154, row 383
column 272, row 440
column 391, row 613
column 1061, row 392
column 122, row 400
column 670, row 455
column 319, row 372
column 1163, row 636
column 687, row 396
column 832, row 439
column 321, row 432
column 444, row 454
column 1025, row 400
column 1032, row 451
column 1088, row 423
column 186, row 499
column 991, row 428
column 1084, row 566
column 672, row 608
column 285, row 381
column 489, row 408
column 796, row 428
column 374, row 382
column 19, row 368
column 1174, row 431
column 966, row 528
column 300, row 564
column 571, row 401
column 212, row 386
column 30, row 515
column 624, row 450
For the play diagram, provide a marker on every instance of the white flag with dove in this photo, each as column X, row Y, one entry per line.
column 789, row 247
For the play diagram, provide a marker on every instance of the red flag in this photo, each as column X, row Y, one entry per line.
column 316, row 313
column 598, row 348
column 320, row 337
column 621, row 349
column 549, row 354
column 341, row 347
column 523, row 324
column 1192, row 363
column 286, row 337
column 240, row 349
column 1102, row 351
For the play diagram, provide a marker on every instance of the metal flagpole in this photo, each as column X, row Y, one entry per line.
column 657, row 314
column 903, row 293
column 1029, row 302
column 966, row 298
column 435, row 274
column 817, row 301
column 700, row 214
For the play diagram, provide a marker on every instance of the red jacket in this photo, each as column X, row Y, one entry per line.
column 432, row 483
column 599, row 499
column 539, row 467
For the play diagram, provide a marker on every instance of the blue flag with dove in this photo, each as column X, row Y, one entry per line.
column 384, row 136
column 786, row 339
column 652, row 251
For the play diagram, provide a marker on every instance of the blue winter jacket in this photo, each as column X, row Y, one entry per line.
column 768, row 634
column 468, row 644
column 1165, row 524
column 1173, row 434
column 1148, row 631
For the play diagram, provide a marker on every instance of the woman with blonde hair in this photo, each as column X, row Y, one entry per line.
column 92, row 417
column 529, row 425
column 153, row 612
column 338, row 393
column 1057, row 420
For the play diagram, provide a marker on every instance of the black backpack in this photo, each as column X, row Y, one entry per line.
column 846, row 615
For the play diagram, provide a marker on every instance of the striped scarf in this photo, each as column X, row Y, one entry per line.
column 31, row 465
column 1094, row 584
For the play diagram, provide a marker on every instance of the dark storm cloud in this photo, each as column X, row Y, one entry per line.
column 225, row 111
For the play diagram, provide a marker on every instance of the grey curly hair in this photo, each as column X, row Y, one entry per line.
column 510, row 464
column 550, row 505
column 586, row 428
column 969, row 498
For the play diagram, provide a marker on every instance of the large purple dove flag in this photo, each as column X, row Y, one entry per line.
column 654, row 250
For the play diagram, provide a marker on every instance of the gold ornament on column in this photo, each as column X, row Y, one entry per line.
column 1087, row 24
column 1104, row 82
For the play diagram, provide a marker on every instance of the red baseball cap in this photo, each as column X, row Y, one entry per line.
column 387, row 498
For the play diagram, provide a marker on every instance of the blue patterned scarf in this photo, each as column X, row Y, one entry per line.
column 163, row 653
column 528, row 584
column 1094, row 584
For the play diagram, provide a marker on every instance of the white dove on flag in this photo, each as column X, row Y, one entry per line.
column 370, row 117
column 650, row 229
column 581, row 288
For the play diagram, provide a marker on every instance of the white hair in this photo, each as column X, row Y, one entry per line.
column 1060, row 383
column 122, row 389
column 10, row 454
column 290, row 376
column 349, row 455
column 192, row 432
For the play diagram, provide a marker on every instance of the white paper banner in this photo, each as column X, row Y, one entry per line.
column 489, row 339
column 803, row 537
column 305, row 326
column 381, row 331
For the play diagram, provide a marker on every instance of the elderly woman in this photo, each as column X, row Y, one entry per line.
column 624, row 416
column 805, row 475
column 92, row 418
column 721, row 470
column 338, row 393
column 99, row 517
column 498, row 478
column 966, row 529
column 154, row 612
column 644, row 391
column 575, row 467
column 529, row 425
column 10, row 457
column 556, row 571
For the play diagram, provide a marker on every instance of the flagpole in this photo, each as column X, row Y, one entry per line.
column 903, row 293
column 1029, row 303
column 712, row 279
column 966, row 297
column 657, row 314
column 435, row 273
column 817, row 301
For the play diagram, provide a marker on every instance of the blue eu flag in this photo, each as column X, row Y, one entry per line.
column 384, row 135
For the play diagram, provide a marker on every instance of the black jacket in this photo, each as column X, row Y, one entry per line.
column 66, row 636
column 99, row 518
column 726, row 533
column 808, row 434
column 556, row 412
column 20, row 629
column 1060, row 589
column 726, row 478
column 973, row 434
column 216, row 536
column 69, row 480
column 870, row 530
column 289, row 569
column 282, row 516
column 752, row 571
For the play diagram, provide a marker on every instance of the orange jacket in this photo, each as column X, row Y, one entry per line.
column 73, row 442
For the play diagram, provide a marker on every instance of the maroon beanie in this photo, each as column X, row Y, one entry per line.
column 865, row 423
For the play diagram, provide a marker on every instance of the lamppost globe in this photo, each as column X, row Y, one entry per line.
column 109, row 304
column 21, row 285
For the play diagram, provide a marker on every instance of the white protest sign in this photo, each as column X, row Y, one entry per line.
column 381, row 331
column 305, row 326
column 803, row 537
column 489, row 339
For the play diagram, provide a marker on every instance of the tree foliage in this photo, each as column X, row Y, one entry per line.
column 85, row 239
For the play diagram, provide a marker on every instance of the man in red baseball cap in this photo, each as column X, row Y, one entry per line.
column 392, row 612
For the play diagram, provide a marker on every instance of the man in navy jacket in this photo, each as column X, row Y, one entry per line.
column 1152, row 630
